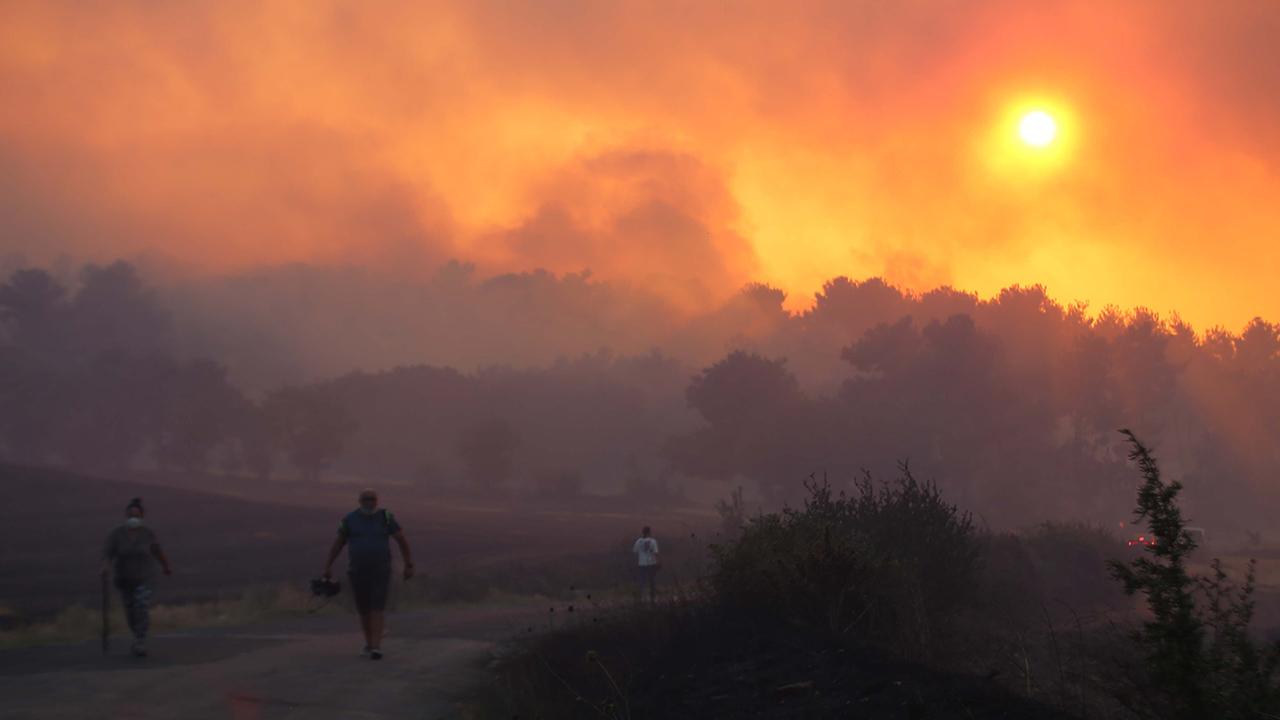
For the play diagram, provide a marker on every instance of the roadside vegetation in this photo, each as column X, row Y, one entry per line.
column 80, row 623
column 1200, row 660
column 887, row 600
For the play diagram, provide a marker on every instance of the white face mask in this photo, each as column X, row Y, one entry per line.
column 133, row 522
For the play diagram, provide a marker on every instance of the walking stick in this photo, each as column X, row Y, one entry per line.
column 106, row 615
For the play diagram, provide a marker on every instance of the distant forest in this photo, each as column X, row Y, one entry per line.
column 1010, row 404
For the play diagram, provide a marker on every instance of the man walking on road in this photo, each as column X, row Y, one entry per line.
column 367, row 532
column 646, row 551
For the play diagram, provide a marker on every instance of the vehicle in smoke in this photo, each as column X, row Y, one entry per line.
column 1141, row 541
column 1149, row 539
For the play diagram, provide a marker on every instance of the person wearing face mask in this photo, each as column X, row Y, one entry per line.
column 367, row 532
column 131, row 551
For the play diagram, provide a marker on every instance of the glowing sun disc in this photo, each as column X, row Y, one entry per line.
column 1037, row 128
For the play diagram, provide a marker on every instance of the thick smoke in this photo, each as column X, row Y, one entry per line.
column 685, row 149
column 548, row 388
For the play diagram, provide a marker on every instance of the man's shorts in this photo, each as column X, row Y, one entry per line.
column 369, row 587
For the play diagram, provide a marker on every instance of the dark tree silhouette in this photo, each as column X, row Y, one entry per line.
column 487, row 450
column 312, row 426
column 115, row 406
column 258, row 439
column 756, row 424
column 199, row 411
column 33, row 312
column 115, row 311
column 1005, row 402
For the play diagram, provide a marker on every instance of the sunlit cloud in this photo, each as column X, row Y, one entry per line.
column 688, row 147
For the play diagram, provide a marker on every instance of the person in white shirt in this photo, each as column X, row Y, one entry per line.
column 646, row 550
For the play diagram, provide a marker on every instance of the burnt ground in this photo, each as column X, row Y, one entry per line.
column 225, row 534
column 56, row 523
column 690, row 662
column 792, row 681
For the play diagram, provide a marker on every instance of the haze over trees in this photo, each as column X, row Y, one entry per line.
column 92, row 379
column 553, row 386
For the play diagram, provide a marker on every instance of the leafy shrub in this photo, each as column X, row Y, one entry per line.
column 891, row 560
column 1070, row 561
column 1201, row 660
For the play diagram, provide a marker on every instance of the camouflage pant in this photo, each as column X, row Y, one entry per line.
column 137, row 606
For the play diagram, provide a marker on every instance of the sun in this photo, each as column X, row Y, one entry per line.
column 1033, row 136
column 1037, row 129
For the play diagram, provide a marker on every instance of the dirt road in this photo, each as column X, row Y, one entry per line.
column 304, row 668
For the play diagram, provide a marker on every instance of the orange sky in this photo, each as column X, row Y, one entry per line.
column 690, row 147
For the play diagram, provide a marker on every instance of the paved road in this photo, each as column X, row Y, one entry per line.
column 305, row 668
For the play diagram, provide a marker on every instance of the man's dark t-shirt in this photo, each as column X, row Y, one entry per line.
column 368, row 540
column 131, row 553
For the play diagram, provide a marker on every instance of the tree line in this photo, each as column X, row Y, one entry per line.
column 90, row 379
column 1006, row 402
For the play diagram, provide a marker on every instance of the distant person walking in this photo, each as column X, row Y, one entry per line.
column 131, row 551
column 646, row 552
column 367, row 532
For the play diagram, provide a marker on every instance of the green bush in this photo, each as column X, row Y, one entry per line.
column 1200, row 659
column 892, row 560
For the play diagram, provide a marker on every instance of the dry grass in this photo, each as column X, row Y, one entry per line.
column 79, row 623
column 553, row 583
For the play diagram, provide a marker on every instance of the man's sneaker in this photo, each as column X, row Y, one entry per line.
column 139, row 648
column 365, row 652
column 375, row 654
